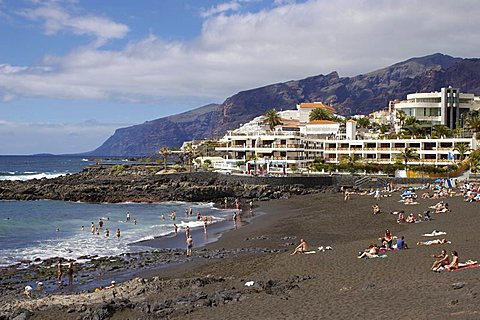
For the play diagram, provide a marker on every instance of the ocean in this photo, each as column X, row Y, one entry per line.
column 47, row 228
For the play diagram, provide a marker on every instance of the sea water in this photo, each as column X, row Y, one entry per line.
column 45, row 229
column 45, row 166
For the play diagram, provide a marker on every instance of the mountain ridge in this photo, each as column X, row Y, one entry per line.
column 360, row 94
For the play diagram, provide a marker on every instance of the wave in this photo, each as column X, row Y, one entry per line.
column 26, row 176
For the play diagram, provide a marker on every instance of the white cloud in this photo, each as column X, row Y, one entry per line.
column 31, row 138
column 220, row 8
column 57, row 18
column 244, row 50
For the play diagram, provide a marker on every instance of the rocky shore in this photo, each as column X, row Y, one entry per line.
column 122, row 183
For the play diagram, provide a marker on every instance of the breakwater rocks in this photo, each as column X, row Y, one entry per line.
column 114, row 184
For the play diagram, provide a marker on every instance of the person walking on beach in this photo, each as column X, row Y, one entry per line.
column 70, row 273
column 187, row 232
column 118, row 233
column 225, row 201
column 59, row 272
column 189, row 245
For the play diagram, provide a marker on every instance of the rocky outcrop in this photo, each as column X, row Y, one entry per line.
column 141, row 184
column 360, row 94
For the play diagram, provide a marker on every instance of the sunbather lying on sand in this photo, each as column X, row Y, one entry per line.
column 433, row 242
column 370, row 252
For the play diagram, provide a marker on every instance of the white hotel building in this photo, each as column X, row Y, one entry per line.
column 448, row 107
column 297, row 141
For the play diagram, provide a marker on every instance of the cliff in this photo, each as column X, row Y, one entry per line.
column 360, row 94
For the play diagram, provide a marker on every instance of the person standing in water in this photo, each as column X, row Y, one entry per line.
column 59, row 272
column 118, row 233
column 70, row 273
column 205, row 223
column 175, row 229
column 128, row 216
column 107, row 232
column 187, row 232
column 189, row 245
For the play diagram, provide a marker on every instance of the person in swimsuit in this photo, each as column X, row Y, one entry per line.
column 59, row 272
column 454, row 264
column 301, row 248
column 442, row 260
column 189, row 245
column 70, row 273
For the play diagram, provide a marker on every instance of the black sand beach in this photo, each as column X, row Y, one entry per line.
column 327, row 285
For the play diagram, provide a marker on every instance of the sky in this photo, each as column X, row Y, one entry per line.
column 73, row 71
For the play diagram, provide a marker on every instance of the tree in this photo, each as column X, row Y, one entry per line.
column 413, row 128
column 351, row 162
column 320, row 114
column 473, row 123
column 165, row 151
column 441, row 130
column 401, row 116
column 408, row 155
column 363, row 122
column 411, row 121
column 190, row 153
column 462, row 148
column 475, row 160
column 384, row 128
column 253, row 157
column 272, row 118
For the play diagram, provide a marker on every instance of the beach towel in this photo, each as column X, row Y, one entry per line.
column 434, row 233
column 309, row 252
column 381, row 255
column 462, row 266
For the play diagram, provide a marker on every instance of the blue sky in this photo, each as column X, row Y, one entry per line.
column 73, row 71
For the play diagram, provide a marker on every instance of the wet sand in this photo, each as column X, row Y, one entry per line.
column 326, row 285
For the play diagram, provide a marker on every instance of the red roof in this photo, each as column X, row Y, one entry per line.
column 313, row 105
column 322, row 122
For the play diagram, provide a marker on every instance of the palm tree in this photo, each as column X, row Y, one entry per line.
column 253, row 157
column 351, row 161
column 473, row 122
column 384, row 128
column 363, row 122
column 440, row 130
column 462, row 148
column 164, row 151
column 320, row 114
column 189, row 152
column 272, row 118
column 411, row 121
column 401, row 116
column 475, row 160
column 408, row 155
